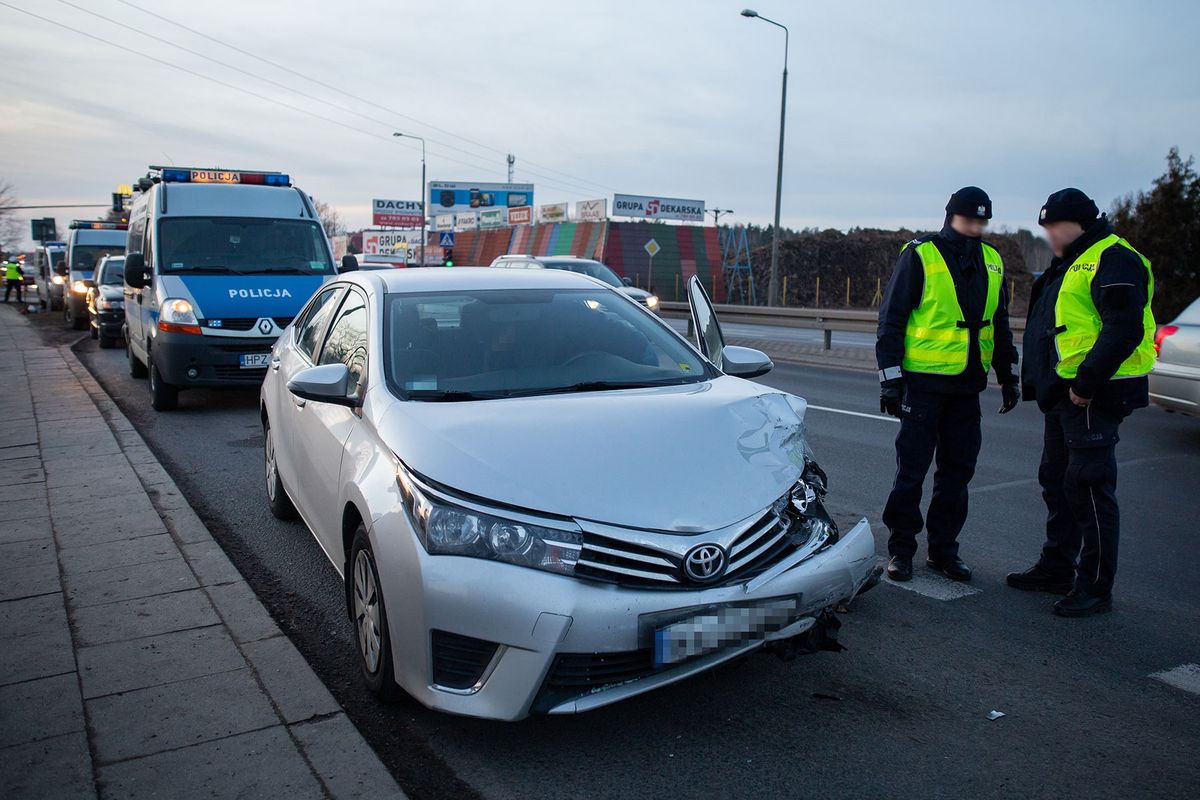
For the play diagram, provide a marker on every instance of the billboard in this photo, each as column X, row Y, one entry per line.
column 520, row 216
column 451, row 197
column 391, row 247
column 466, row 221
column 650, row 207
column 493, row 218
column 396, row 213
column 443, row 222
column 553, row 212
column 591, row 210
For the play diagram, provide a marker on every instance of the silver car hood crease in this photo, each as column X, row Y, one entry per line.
column 685, row 459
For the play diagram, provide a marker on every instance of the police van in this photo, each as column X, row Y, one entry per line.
column 218, row 263
column 88, row 243
column 46, row 260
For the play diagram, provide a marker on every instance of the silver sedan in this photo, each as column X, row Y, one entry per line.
column 1175, row 381
column 540, row 497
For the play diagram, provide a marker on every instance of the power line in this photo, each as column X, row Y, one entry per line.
column 352, row 96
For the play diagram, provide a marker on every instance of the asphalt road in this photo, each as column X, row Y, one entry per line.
column 902, row 713
column 742, row 330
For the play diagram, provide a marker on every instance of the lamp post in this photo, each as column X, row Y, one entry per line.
column 773, row 285
column 422, row 196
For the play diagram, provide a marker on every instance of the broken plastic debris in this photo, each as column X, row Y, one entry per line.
column 994, row 714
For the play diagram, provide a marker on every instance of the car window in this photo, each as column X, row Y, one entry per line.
column 347, row 339
column 314, row 319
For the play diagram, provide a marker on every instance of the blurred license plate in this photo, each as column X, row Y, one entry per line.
column 255, row 360
column 722, row 627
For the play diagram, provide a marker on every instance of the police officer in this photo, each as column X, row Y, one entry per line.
column 14, row 278
column 943, row 323
column 1089, row 343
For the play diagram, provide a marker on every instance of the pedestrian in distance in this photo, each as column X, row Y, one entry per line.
column 14, row 278
column 1089, row 344
column 942, row 325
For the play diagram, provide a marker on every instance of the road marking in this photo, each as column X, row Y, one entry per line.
column 935, row 586
column 1185, row 676
column 1133, row 462
column 853, row 413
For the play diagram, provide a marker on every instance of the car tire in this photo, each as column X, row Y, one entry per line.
column 163, row 396
column 368, row 615
column 106, row 342
column 136, row 368
column 277, row 499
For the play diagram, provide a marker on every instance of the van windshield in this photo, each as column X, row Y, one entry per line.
column 85, row 257
column 242, row 246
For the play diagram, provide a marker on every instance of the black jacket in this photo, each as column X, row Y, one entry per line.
column 1120, row 291
column 964, row 257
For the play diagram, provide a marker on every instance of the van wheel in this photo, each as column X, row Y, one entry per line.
column 106, row 342
column 163, row 396
column 372, row 640
column 136, row 368
column 277, row 499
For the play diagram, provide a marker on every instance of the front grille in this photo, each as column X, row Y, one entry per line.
column 283, row 322
column 232, row 372
column 251, row 345
column 459, row 661
column 230, row 323
column 575, row 674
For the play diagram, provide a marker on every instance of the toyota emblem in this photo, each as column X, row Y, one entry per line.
column 704, row 563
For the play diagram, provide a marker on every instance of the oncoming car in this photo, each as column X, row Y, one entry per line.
column 584, row 266
column 448, row 436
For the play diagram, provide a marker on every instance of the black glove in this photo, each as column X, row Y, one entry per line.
column 1012, row 396
column 889, row 398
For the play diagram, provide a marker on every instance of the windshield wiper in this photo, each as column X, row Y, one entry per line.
column 289, row 270
column 450, row 396
column 594, row 386
column 206, row 268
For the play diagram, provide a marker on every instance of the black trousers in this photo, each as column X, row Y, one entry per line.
column 10, row 284
column 1078, row 475
column 945, row 426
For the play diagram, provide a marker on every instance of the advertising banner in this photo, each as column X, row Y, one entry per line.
column 520, row 216
column 650, row 207
column 391, row 247
column 493, row 218
column 447, row 197
column 466, row 221
column 552, row 212
column 591, row 210
column 443, row 222
column 396, row 213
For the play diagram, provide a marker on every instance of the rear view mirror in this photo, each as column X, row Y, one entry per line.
column 328, row 383
column 60, row 268
column 135, row 271
column 349, row 263
column 745, row 362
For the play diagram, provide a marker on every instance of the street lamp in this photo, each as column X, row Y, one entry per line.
column 773, row 285
column 422, row 195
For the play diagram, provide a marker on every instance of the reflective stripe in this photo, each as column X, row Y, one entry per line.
column 890, row 374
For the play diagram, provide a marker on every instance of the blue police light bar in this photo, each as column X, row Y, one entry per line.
column 201, row 175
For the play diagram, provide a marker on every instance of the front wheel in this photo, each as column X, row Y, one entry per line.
column 163, row 396
column 373, row 642
column 136, row 368
column 277, row 499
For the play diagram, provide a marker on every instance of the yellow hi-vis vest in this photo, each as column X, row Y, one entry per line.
column 12, row 272
column 1077, row 321
column 938, row 338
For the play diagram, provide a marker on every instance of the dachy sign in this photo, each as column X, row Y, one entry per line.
column 396, row 213
column 649, row 207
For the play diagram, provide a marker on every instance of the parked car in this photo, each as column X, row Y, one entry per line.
column 50, row 267
column 468, row 447
column 106, row 301
column 1175, row 381
column 584, row 266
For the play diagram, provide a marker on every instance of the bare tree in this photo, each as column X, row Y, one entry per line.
column 10, row 224
column 331, row 220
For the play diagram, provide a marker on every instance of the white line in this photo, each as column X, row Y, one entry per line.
column 935, row 586
column 1185, row 676
column 853, row 413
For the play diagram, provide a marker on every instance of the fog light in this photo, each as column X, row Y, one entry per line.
column 193, row 373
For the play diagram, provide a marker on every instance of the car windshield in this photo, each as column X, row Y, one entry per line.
column 86, row 256
column 593, row 269
column 113, row 273
column 243, row 246
column 484, row 344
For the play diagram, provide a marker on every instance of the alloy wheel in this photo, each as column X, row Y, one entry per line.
column 269, row 452
column 366, row 611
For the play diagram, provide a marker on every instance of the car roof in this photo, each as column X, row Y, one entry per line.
column 436, row 279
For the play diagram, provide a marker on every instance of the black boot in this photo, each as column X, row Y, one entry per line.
column 1038, row 579
column 953, row 568
column 1082, row 604
column 900, row 568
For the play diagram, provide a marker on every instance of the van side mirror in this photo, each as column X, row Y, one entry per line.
column 349, row 263
column 135, row 271
column 60, row 268
column 627, row 281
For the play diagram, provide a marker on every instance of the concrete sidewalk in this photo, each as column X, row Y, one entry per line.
column 134, row 660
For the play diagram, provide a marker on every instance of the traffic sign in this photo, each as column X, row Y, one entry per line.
column 651, row 247
column 446, row 239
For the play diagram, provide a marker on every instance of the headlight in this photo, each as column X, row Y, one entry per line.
column 652, row 301
column 79, row 287
column 177, row 311
column 59, row 279
column 109, row 305
column 446, row 528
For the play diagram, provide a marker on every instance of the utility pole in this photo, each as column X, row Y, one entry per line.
column 717, row 212
column 511, row 161
column 424, row 206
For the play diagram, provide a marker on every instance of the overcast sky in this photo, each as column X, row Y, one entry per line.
column 891, row 105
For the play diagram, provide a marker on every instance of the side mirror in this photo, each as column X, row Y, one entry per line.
column 60, row 268
column 135, row 271
column 745, row 362
column 349, row 263
column 627, row 281
column 328, row 383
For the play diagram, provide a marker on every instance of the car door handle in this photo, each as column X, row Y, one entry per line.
column 299, row 401
column 275, row 364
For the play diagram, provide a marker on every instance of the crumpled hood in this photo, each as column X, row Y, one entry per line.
column 687, row 458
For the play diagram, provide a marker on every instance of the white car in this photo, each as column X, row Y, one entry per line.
column 584, row 266
column 540, row 497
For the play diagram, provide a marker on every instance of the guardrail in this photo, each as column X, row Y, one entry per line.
column 827, row 320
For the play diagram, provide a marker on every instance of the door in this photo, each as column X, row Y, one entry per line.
column 707, row 329
column 321, row 429
column 134, row 298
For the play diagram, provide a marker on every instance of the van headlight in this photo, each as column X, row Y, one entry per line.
column 59, row 279
column 79, row 287
column 446, row 528
column 177, row 311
